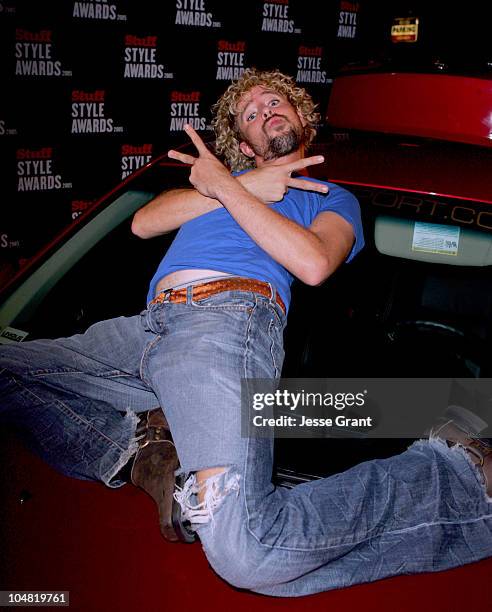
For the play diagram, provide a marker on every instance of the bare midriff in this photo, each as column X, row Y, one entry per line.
column 185, row 276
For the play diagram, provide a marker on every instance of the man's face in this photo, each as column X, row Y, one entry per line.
column 269, row 125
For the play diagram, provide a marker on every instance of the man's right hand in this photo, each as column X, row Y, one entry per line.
column 270, row 183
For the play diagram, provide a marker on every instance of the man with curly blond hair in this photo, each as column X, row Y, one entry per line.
column 217, row 308
column 228, row 136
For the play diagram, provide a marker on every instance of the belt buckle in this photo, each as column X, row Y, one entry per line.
column 167, row 294
column 163, row 296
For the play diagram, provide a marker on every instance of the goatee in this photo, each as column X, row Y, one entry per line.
column 283, row 144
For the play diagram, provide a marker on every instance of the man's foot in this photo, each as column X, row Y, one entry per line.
column 154, row 466
column 479, row 450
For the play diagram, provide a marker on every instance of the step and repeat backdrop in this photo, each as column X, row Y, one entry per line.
column 92, row 90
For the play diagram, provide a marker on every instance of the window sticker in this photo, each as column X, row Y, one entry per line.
column 434, row 238
column 405, row 29
column 10, row 335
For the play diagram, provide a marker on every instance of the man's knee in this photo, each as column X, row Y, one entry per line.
column 221, row 524
column 205, row 482
column 204, row 492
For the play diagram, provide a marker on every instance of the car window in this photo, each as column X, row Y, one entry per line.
column 109, row 280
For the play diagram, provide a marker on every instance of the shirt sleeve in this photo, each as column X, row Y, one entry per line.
column 345, row 204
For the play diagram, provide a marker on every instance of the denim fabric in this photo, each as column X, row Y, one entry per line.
column 74, row 399
column 68, row 394
column 423, row 510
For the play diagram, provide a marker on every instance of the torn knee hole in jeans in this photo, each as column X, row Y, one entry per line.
column 215, row 488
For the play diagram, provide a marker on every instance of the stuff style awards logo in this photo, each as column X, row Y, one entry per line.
column 134, row 157
column 276, row 17
column 348, row 19
column 35, row 55
column 140, row 55
column 194, row 13
column 36, row 171
column 309, row 66
column 97, row 9
column 230, row 59
column 89, row 113
column 185, row 108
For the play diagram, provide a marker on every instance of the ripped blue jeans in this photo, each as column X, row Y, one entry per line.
column 76, row 398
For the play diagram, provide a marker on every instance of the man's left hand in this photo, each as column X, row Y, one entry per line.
column 208, row 175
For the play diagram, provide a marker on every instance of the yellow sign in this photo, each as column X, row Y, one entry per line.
column 405, row 29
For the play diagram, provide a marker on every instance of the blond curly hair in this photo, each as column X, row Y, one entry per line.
column 225, row 124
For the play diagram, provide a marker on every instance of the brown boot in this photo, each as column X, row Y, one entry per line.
column 154, row 466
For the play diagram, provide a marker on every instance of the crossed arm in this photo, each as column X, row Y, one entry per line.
column 170, row 210
column 311, row 254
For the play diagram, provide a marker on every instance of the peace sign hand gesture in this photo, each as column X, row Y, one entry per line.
column 208, row 175
column 270, row 183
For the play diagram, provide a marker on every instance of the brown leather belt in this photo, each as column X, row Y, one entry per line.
column 205, row 290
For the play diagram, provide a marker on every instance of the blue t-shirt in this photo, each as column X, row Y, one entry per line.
column 215, row 241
